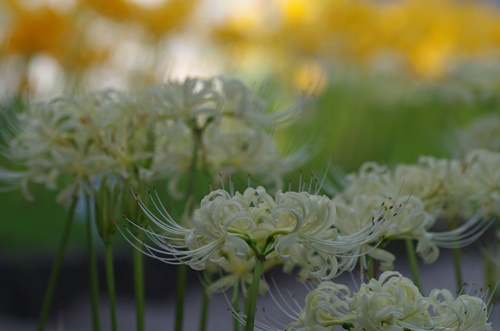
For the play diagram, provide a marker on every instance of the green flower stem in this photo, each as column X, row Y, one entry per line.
column 110, row 282
column 54, row 275
column 138, row 262
column 138, row 271
column 371, row 267
column 197, row 134
column 457, row 261
column 235, row 302
column 182, row 270
column 412, row 259
column 179, row 296
column 457, row 267
column 205, row 303
column 94, row 282
column 490, row 272
column 253, row 294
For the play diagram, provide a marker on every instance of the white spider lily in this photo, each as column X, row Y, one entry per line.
column 308, row 238
column 193, row 99
column 220, row 221
column 215, row 97
column 147, row 136
column 254, row 108
column 232, row 149
column 45, row 145
column 303, row 225
column 371, row 178
column 298, row 226
column 455, row 314
column 326, row 306
column 483, row 132
column 446, row 187
column 482, row 184
column 391, row 302
column 231, row 125
column 363, row 210
column 429, row 179
column 436, row 188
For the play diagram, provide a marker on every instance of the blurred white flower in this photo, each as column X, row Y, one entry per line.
column 484, row 132
column 433, row 189
column 45, row 144
column 200, row 100
column 154, row 134
column 371, row 178
column 429, row 180
column 230, row 149
column 481, row 181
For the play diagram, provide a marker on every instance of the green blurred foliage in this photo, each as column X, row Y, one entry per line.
column 365, row 119
column 38, row 224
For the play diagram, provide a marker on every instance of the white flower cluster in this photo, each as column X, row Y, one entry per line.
column 484, row 132
column 296, row 229
column 432, row 189
column 391, row 302
column 146, row 136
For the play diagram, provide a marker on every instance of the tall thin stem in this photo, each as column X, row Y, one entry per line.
column 253, row 294
column 138, row 262
column 138, row 271
column 371, row 267
column 54, row 275
column 182, row 269
column 457, row 267
column 412, row 259
column 490, row 273
column 235, row 302
column 197, row 133
column 457, row 260
column 205, row 301
column 110, row 282
column 94, row 281
column 179, row 296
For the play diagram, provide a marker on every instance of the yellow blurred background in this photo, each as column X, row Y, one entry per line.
column 54, row 46
column 391, row 79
